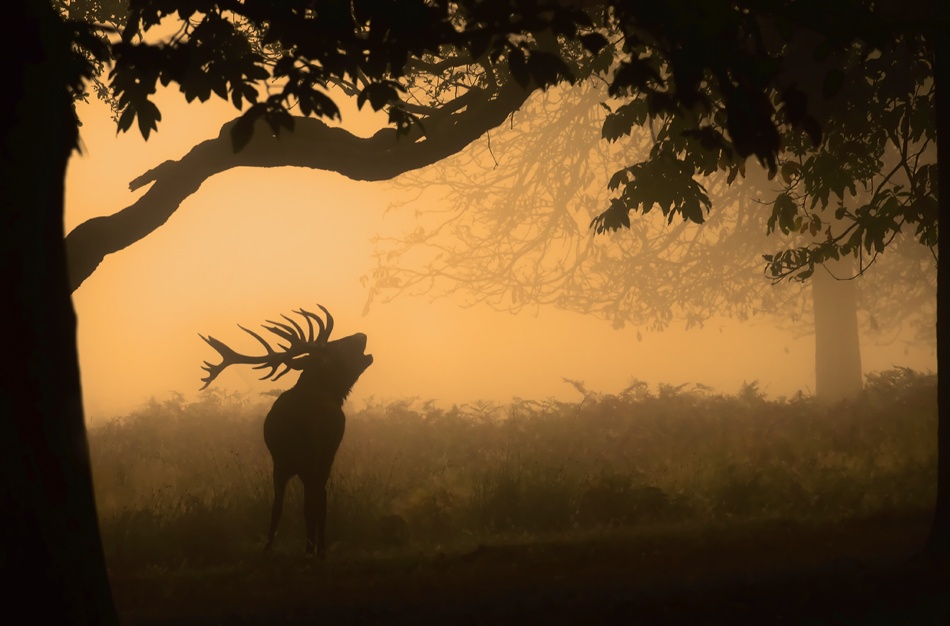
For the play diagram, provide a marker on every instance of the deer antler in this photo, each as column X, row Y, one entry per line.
column 325, row 331
column 298, row 343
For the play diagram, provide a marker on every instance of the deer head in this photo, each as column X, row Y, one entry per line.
column 304, row 428
column 337, row 364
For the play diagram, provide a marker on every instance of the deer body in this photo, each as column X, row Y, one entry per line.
column 304, row 427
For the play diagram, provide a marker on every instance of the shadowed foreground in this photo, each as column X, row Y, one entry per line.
column 680, row 507
column 858, row 572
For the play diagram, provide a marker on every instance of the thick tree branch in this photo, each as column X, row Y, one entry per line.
column 312, row 144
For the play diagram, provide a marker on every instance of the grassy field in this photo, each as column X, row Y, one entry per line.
column 647, row 504
column 856, row 572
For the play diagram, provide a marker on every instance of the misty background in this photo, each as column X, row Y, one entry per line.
column 254, row 243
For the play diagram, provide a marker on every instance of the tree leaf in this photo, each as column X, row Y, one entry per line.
column 594, row 42
column 834, row 79
column 243, row 128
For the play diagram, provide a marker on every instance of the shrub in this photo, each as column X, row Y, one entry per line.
column 180, row 481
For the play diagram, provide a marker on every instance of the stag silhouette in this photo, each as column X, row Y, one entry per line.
column 304, row 428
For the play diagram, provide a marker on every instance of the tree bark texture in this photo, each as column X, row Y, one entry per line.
column 939, row 542
column 50, row 548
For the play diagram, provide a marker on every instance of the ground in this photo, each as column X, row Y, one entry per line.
column 856, row 572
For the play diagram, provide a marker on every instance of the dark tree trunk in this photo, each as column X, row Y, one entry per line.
column 837, row 346
column 939, row 541
column 50, row 548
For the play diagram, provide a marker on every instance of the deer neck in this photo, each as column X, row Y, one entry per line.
column 321, row 388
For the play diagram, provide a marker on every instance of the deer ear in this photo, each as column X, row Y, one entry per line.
column 319, row 359
column 298, row 363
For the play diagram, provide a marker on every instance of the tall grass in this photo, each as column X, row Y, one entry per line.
column 179, row 481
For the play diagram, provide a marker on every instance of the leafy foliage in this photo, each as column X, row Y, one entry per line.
column 506, row 223
column 873, row 176
column 664, row 181
column 716, row 83
column 296, row 51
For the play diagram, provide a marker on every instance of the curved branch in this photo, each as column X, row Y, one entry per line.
column 312, row 144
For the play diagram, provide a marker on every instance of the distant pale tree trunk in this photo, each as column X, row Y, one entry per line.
column 837, row 347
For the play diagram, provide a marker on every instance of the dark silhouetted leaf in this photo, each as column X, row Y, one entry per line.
column 594, row 42
column 243, row 128
column 834, row 79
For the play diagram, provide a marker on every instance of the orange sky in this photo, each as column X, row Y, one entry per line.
column 252, row 244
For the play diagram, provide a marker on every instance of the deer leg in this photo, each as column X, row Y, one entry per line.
column 315, row 510
column 281, row 477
